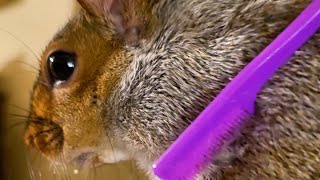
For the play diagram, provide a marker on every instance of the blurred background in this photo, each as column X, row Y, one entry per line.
column 26, row 26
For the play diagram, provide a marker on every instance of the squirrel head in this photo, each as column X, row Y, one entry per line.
column 79, row 70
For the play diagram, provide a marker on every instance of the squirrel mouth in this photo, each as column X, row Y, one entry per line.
column 87, row 160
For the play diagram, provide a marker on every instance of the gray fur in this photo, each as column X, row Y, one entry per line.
column 199, row 47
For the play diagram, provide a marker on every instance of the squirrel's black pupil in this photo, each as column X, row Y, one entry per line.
column 61, row 66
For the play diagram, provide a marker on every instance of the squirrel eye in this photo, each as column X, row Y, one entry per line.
column 61, row 66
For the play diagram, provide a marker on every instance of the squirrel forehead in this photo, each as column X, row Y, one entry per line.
column 85, row 30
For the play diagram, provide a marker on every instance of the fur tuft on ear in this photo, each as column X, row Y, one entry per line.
column 131, row 18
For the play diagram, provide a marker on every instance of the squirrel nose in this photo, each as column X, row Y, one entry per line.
column 45, row 136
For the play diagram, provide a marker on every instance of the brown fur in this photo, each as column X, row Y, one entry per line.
column 134, row 93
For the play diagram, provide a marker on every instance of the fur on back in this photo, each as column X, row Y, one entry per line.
column 198, row 47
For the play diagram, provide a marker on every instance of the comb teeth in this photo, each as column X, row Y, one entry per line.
column 201, row 151
column 228, row 129
column 231, row 127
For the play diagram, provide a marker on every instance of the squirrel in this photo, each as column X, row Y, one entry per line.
column 123, row 79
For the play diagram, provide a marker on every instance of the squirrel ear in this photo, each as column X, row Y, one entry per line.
column 106, row 9
column 129, row 17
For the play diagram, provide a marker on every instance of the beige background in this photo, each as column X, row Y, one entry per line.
column 25, row 28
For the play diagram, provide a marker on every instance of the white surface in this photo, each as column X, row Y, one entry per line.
column 32, row 21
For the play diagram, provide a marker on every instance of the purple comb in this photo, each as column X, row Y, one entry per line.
column 203, row 139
